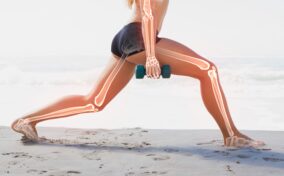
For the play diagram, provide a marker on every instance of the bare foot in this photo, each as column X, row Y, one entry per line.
column 242, row 140
column 26, row 128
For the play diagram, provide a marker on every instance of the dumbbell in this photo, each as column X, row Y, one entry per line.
column 141, row 71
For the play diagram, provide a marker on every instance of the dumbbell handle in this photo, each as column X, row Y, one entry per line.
column 141, row 71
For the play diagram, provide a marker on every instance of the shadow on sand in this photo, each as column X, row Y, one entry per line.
column 210, row 151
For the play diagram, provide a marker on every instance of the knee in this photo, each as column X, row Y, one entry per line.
column 98, row 108
column 213, row 67
column 90, row 102
column 212, row 71
column 95, row 107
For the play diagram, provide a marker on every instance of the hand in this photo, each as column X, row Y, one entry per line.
column 153, row 69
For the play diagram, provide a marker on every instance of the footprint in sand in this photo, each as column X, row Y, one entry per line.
column 91, row 156
column 145, row 143
column 129, row 173
column 17, row 155
column 154, row 173
column 143, row 167
column 232, row 149
column 158, row 158
column 224, row 153
column 132, row 146
column 264, row 149
column 124, row 143
column 13, row 163
column 101, row 166
column 170, row 150
column 151, row 154
column 73, row 172
column 23, row 155
column 64, row 173
column 273, row 159
column 229, row 169
column 31, row 171
column 207, row 143
column 243, row 156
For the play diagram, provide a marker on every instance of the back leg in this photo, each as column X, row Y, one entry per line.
column 184, row 61
column 116, row 75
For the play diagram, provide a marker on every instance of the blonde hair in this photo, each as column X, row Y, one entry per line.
column 130, row 3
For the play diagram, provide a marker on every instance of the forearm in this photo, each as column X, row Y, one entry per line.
column 148, row 31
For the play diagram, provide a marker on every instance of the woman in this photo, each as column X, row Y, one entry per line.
column 138, row 43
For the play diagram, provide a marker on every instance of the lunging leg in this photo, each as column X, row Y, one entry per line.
column 186, row 62
column 115, row 76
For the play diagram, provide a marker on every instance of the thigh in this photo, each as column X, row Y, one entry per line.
column 182, row 59
column 114, row 77
column 138, row 58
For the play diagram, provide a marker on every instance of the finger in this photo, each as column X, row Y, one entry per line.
column 151, row 72
column 157, row 71
column 147, row 71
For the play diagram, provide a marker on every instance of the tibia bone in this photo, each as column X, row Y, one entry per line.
column 203, row 65
column 64, row 112
column 218, row 96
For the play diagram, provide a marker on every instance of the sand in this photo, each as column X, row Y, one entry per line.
column 137, row 151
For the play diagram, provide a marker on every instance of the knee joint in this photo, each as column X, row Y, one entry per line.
column 90, row 107
column 212, row 68
column 212, row 71
column 93, row 106
column 96, row 108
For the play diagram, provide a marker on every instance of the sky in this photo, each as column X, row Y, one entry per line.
column 219, row 28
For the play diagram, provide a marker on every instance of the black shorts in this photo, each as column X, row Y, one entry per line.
column 129, row 40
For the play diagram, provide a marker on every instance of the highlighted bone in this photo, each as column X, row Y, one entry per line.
column 147, row 37
column 148, row 29
column 64, row 112
column 147, row 7
column 100, row 98
column 218, row 96
column 203, row 65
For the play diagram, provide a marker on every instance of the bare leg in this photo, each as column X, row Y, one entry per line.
column 115, row 76
column 184, row 61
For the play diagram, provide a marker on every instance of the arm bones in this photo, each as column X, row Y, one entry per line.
column 149, row 32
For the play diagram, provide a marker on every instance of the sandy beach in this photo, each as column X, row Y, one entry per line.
column 137, row 151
